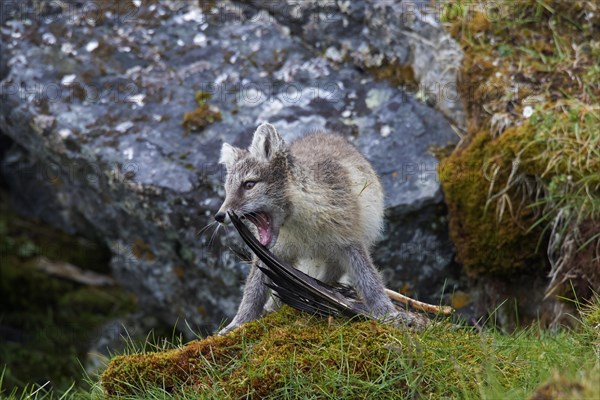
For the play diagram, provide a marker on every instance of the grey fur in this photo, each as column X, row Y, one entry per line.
column 325, row 204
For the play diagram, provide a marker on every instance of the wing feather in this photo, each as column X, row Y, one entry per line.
column 298, row 289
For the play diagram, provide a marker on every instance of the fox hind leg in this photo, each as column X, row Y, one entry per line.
column 369, row 285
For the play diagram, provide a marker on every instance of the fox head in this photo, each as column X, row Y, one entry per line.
column 256, row 183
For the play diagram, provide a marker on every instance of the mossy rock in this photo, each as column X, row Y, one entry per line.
column 488, row 239
column 340, row 358
column 528, row 167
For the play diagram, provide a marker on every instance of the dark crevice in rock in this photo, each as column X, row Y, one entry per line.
column 5, row 143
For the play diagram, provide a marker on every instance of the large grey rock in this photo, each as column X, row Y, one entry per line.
column 94, row 103
column 383, row 33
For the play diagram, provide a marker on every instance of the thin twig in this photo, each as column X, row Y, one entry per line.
column 418, row 305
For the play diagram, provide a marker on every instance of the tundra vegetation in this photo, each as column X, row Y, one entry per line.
column 523, row 186
column 289, row 354
column 530, row 82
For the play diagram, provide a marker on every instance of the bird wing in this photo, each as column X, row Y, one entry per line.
column 297, row 289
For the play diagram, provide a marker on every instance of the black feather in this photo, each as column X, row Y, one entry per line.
column 297, row 289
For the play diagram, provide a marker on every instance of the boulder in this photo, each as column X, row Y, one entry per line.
column 118, row 111
column 399, row 40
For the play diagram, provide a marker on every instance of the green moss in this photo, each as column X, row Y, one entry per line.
column 202, row 116
column 485, row 230
column 202, row 97
column 260, row 357
column 290, row 354
column 50, row 323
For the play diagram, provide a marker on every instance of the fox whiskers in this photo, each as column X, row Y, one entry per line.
column 200, row 232
column 214, row 233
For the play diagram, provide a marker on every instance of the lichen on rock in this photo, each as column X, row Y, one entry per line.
column 202, row 116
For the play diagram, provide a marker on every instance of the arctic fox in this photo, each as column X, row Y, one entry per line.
column 316, row 203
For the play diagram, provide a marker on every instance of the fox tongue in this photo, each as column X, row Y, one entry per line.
column 264, row 234
column 263, row 224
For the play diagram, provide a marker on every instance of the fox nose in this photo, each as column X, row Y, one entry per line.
column 220, row 216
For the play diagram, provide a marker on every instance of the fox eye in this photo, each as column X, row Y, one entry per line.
column 248, row 185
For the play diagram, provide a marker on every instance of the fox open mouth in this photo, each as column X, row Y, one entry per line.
column 263, row 223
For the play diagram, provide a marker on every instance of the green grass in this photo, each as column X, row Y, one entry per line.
column 293, row 355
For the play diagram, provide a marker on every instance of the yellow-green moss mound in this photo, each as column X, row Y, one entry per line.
column 289, row 353
column 523, row 187
column 336, row 358
column 491, row 232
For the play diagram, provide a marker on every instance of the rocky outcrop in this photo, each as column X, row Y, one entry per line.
column 94, row 99
column 399, row 40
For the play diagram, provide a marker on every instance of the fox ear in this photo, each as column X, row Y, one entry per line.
column 266, row 142
column 229, row 155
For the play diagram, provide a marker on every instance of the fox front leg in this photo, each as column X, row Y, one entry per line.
column 254, row 298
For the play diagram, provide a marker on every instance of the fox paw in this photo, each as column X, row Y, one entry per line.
column 224, row 331
column 405, row 319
